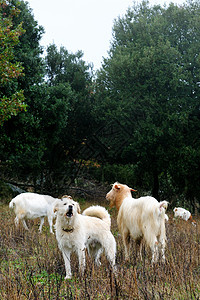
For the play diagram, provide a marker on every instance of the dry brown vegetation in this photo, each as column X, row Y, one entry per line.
column 32, row 267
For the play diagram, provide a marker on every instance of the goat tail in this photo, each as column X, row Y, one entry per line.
column 12, row 203
column 98, row 212
column 162, row 209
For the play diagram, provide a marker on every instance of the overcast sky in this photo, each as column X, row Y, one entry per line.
column 82, row 24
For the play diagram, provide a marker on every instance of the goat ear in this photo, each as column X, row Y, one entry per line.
column 133, row 190
column 117, row 187
column 164, row 204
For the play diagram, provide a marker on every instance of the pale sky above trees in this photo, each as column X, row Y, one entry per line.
column 82, row 25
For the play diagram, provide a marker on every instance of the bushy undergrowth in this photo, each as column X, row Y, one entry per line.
column 32, row 267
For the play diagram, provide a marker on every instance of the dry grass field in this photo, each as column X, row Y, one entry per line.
column 31, row 266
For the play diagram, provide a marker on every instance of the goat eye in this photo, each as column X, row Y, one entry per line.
column 65, row 204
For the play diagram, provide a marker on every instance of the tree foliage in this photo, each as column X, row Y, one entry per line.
column 68, row 69
column 16, row 137
column 150, row 83
column 11, row 96
column 38, row 144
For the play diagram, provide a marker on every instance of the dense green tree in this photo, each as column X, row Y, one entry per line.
column 11, row 96
column 67, row 68
column 38, row 145
column 69, row 82
column 62, row 66
column 150, row 84
column 29, row 51
column 16, row 139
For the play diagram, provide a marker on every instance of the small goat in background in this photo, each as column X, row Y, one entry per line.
column 184, row 214
column 32, row 206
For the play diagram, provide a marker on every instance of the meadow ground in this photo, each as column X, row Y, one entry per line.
column 31, row 266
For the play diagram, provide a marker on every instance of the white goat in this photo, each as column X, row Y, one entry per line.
column 31, row 206
column 184, row 214
column 142, row 218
